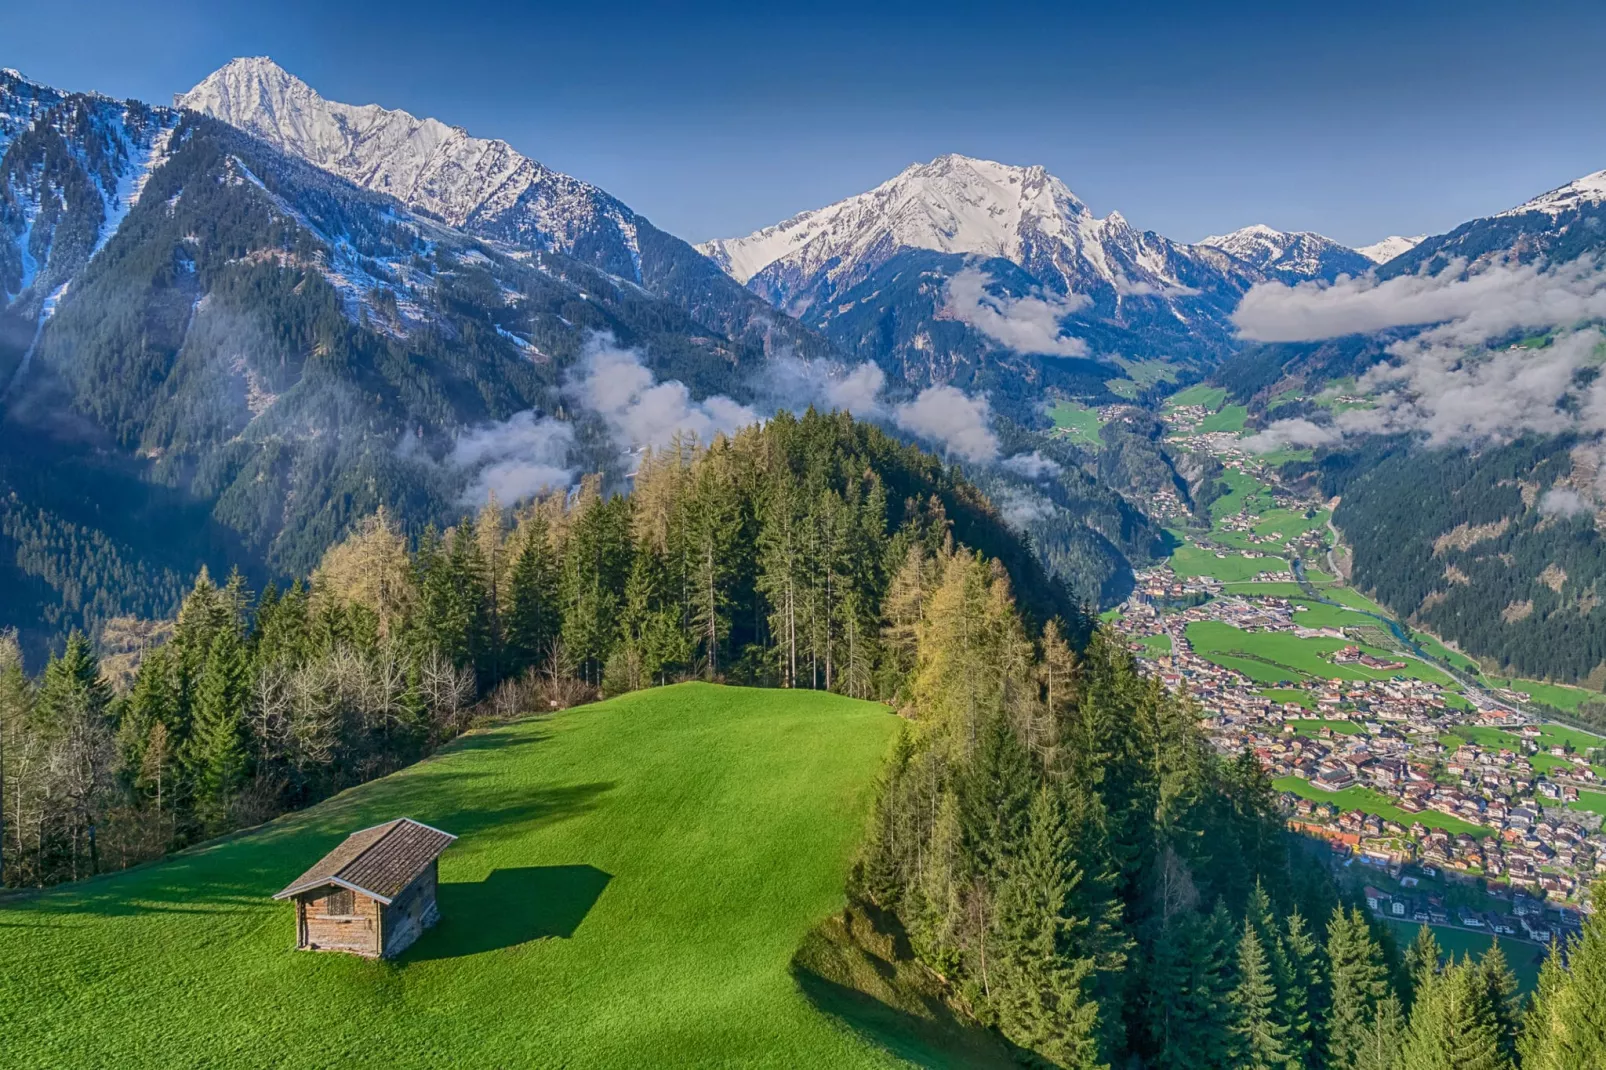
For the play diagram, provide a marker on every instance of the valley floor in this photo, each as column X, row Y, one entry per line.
column 630, row 886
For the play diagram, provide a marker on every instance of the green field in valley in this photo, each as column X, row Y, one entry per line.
column 1276, row 657
column 1313, row 725
column 1155, row 644
column 1209, row 397
column 1275, row 589
column 630, row 886
column 1289, row 694
column 1524, row 957
column 1229, row 418
column 1371, row 802
column 1079, row 422
column 1189, row 560
column 1592, row 801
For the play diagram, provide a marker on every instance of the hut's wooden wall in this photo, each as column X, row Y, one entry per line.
column 358, row 931
column 411, row 912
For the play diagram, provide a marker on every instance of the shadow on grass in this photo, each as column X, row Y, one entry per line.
column 244, row 870
column 858, row 969
column 510, row 907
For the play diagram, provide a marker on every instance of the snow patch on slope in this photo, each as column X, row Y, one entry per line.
column 1381, row 252
column 1591, row 189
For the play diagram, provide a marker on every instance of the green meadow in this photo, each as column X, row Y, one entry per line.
column 1079, row 422
column 1189, row 560
column 1276, row 657
column 631, row 884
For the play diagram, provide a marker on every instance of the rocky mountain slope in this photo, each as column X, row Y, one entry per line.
column 216, row 352
column 486, row 188
column 876, row 272
column 1291, row 255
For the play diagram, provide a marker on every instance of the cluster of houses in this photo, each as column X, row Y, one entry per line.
column 1497, row 811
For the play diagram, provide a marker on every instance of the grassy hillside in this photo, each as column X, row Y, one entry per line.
column 631, row 883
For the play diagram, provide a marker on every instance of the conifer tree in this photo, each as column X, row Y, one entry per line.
column 217, row 755
column 1358, row 979
column 533, row 612
column 1501, row 985
column 1453, row 1025
column 1042, row 982
column 1565, row 1028
column 1261, row 1035
column 1304, row 995
column 1422, row 959
column 1383, row 1040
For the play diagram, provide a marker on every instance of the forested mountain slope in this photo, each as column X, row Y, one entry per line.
column 252, row 346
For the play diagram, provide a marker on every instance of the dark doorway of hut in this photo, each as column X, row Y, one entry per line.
column 510, row 907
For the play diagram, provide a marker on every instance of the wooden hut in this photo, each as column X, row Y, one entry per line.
column 374, row 894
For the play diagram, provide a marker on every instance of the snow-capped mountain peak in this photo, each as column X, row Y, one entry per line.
column 1297, row 254
column 953, row 204
column 1381, row 252
column 1591, row 189
column 959, row 205
column 425, row 163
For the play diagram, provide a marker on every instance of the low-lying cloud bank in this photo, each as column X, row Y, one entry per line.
column 1444, row 382
column 526, row 454
column 1025, row 324
column 529, row 454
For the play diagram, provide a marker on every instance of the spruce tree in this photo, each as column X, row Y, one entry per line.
column 1453, row 1024
column 1358, row 980
column 1422, row 959
column 533, row 613
column 1383, row 1041
column 1578, row 1007
column 1042, row 987
column 1261, row 1035
column 1304, row 999
column 1536, row 1044
column 216, row 752
column 1501, row 985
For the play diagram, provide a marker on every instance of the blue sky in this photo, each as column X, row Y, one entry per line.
column 1356, row 120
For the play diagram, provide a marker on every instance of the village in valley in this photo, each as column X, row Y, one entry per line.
column 1443, row 797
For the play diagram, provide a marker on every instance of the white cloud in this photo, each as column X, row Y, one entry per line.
column 613, row 383
column 514, row 459
column 1032, row 465
column 1470, row 308
column 859, row 391
column 524, row 455
column 1456, row 398
column 1443, row 381
column 948, row 415
column 1297, row 432
column 1024, row 324
column 1021, row 508
column 1564, row 501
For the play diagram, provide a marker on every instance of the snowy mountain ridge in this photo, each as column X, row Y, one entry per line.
column 960, row 205
column 468, row 182
column 1293, row 255
column 1588, row 190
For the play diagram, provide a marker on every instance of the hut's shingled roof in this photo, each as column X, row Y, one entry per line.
column 378, row 861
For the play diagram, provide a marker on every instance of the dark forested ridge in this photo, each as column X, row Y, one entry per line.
column 1460, row 542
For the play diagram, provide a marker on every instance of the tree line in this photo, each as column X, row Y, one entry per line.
column 1087, row 877
column 764, row 559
